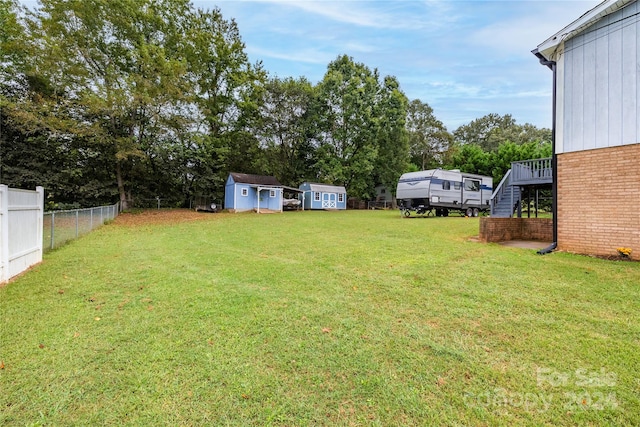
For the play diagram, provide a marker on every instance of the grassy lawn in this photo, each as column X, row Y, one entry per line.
column 317, row 318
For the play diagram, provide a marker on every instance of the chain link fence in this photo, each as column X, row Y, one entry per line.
column 61, row 226
column 156, row 203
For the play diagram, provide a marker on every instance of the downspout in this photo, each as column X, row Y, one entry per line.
column 554, row 158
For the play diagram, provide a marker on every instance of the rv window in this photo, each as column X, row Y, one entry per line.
column 456, row 185
column 316, row 196
column 471, row 185
column 446, row 185
column 244, row 192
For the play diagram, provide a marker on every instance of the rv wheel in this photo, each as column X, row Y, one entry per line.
column 476, row 211
column 469, row 212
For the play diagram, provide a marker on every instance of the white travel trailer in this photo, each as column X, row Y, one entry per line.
column 443, row 191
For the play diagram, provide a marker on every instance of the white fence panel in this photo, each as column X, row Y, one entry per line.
column 20, row 230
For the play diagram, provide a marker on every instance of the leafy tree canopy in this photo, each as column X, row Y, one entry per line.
column 105, row 100
column 490, row 131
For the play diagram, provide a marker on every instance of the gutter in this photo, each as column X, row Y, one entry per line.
column 554, row 157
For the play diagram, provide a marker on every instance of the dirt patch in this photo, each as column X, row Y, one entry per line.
column 162, row 217
column 613, row 257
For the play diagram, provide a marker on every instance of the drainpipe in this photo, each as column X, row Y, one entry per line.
column 554, row 158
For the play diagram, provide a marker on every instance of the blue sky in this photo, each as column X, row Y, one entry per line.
column 465, row 59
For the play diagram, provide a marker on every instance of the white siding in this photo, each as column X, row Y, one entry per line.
column 600, row 84
column 630, row 75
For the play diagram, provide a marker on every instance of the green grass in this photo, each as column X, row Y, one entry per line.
column 318, row 318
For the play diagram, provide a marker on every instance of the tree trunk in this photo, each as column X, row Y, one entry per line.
column 123, row 194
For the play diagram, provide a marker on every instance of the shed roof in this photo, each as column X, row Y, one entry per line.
column 326, row 188
column 549, row 47
column 246, row 178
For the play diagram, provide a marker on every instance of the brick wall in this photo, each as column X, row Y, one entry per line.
column 599, row 200
column 504, row 229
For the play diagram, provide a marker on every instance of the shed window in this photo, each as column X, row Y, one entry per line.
column 471, row 185
column 341, row 197
column 446, row 185
column 316, row 196
column 244, row 192
column 272, row 193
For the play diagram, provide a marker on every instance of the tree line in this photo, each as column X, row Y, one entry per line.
column 122, row 100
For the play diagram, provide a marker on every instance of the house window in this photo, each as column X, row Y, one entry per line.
column 244, row 192
column 272, row 193
column 341, row 197
column 316, row 196
column 471, row 185
column 382, row 191
column 446, row 185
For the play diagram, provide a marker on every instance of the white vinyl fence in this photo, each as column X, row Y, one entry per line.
column 20, row 230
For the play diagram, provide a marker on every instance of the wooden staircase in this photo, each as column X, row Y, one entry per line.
column 508, row 195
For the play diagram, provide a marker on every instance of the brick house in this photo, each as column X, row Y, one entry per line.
column 595, row 62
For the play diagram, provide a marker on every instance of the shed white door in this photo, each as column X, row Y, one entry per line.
column 329, row 200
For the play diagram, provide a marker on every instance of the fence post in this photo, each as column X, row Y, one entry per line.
column 4, row 233
column 53, row 228
column 40, row 198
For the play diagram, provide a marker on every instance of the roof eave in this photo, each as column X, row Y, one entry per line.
column 549, row 47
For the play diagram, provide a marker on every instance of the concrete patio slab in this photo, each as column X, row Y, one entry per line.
column 526, row 244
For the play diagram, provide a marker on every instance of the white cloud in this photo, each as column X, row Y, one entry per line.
column 309, row 56
column 529, row 26
column 398, row 15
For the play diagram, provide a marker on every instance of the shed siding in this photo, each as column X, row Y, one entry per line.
column 310, row 191
column 600, row 84
column 268, row 202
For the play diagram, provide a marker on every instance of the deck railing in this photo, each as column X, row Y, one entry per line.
column 535, row 171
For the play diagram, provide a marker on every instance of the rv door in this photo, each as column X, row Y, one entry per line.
column 471, row 195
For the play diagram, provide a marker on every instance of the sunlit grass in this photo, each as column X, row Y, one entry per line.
column 318, row 318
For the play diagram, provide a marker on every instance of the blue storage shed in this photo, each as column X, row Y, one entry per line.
column 246, row 192
column 323, row 196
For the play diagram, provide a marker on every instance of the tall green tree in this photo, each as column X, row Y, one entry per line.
column 429, row 141
column 492, row 130
column 347, row 146
column 509, row 152
column 471, row 158
column 393, row 139
column 12, row 53
column 226, row 92
column 287, row 128
column 40, row 143
column 120, row 62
